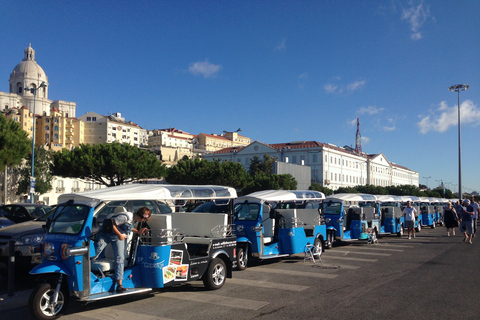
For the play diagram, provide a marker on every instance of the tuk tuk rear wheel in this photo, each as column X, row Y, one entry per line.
column 318, row 247
column 215, row 275
column 433, row 225
column 400, row 231
column 419, row 227
column 242, row 258
column 40, row 303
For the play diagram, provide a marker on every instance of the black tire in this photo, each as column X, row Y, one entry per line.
column 39, row 302
column 242, row 257
column 214, row 277
column 318, row 247
column 400, row 231
column 419, row 227
column 433, row 225
column 330, row 240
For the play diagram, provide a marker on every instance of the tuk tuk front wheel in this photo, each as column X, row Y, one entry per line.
column 215, row 275
column 41, row 304
column 242, row 258
column 318, row 247
column 330, row 240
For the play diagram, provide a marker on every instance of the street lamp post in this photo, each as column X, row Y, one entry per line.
column 458, row 88
column 426, row 178
column 34, row 91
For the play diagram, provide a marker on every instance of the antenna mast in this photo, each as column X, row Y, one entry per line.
column 358, row 139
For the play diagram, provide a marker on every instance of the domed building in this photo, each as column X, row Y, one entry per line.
column 29, row 74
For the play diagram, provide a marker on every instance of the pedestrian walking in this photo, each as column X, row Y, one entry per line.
column 410, row 215
column 450, row 218
column 475, row 207
column 467, row 221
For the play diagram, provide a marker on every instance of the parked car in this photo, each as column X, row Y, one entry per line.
column 31, row 233
column 21, row 212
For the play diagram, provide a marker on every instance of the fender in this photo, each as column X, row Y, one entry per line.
column 51, row 267
column 331, row 228
column 243, row 239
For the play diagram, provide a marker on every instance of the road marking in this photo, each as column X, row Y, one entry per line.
column 336, row 266
column 395, row 245
column 375, row 248
column 268, row 285
column 116, row 314
column 364, row 253
column 294, row 273
column 216, row 299
column 351, row 259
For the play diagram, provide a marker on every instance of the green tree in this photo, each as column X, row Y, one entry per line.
column 325, row 190
column 43, row 177
column 14, row 143
column 203, row 172
column 261, row 166
column 109, row 164
column 262, row 181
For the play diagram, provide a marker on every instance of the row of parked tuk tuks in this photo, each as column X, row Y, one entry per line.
column 187, row 246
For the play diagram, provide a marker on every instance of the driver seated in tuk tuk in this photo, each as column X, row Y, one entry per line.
column 116, row 232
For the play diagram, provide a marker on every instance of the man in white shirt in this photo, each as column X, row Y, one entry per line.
column 410, row 216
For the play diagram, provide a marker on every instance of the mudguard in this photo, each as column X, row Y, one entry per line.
column 243, row 239
column 52, row 267
column 331, row 228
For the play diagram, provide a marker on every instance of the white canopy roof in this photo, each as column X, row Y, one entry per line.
column 388, row 198
column 150, row 192
column 352, row 197
column 282, row 195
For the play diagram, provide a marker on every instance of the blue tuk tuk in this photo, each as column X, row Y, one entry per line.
column 392, row 218
column 277, row 223
column 352, row 216
column 179, row 247
column 427, row 209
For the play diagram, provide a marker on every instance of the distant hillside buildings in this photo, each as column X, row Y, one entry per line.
column 57, row 127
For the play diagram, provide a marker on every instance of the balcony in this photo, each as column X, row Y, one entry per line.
column 76, row 190
column 60, row 189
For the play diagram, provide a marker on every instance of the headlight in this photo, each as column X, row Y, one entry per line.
column 48, row 249
column 240, row 228
column 32, row 239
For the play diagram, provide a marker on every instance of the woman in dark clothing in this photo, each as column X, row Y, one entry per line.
column 450, row 218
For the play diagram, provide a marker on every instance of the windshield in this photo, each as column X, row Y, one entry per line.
column 332, row 207
column 247, row 211
column 220, row 206
column 69, row 219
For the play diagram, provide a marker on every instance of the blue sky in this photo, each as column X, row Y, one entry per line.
column 281, row 71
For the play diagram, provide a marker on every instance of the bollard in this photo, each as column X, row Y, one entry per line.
column 11, row 267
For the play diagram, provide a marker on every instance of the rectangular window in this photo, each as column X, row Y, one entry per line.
column 89, row 118
column 314, row 158
column 94, row 118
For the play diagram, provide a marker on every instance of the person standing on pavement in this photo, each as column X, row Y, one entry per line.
column 467, row 221
column 450, row 218
column 410, row 214
column 475, row 207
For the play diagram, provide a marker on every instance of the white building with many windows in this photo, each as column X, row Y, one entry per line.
column 331, row 166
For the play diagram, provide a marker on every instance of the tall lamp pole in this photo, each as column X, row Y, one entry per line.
column 32, row 178
column 458, row 88
column 426, row 178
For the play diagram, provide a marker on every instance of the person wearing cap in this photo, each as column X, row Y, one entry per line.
column 467, row 221
column 123, row 223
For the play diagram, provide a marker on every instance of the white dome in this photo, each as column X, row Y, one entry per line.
column 27, row 73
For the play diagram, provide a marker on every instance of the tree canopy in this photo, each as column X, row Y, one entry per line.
column 14, row 143
column 43, row 177
column 202, row 172
column 109, row 164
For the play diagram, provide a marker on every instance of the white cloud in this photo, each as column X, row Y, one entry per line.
column 330, row 88
column 340, row 88
column 416, row 15
column 369, row 110
column 356, row 85
column 303, row 76
column 365, row 140
column 445, row 117
column 282, row 45
column 204, row 68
